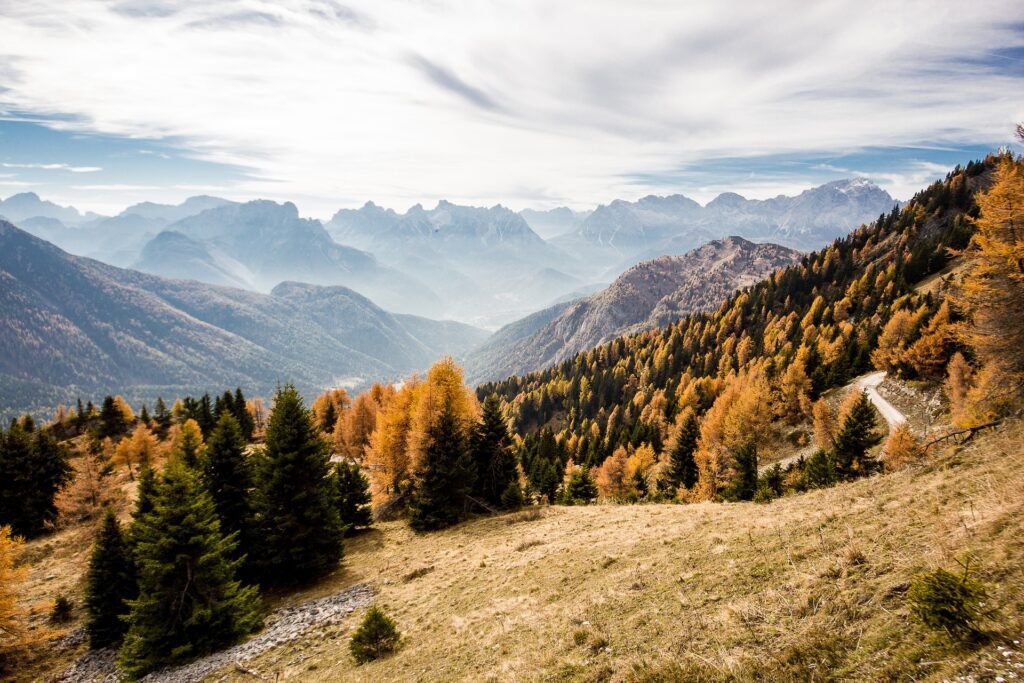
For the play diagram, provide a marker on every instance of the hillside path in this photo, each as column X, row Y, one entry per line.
column 869, row 383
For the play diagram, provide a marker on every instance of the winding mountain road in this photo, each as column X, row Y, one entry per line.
column 869, row 384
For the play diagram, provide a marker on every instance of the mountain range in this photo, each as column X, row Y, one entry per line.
column 73, row 326
column 648, row 295
column 484, row 266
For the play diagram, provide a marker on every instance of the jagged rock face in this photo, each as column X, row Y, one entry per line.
column 648, row 295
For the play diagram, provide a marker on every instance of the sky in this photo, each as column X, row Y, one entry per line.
column 531, row 103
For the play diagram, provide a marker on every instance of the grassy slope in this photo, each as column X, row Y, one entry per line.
column 807, row 588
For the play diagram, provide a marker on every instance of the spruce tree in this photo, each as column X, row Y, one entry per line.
column 110, row 584
column 329, row 418
column 580, row 489
column 819, row 471
column 744, row 481
column 241, row 413
column 189, row 447
column 204, row 415
column 300, row 528
column 855, row 437
column 228, row 477
column 161, row 419
column 144, row 417
column 353, row 492
column 112, row 420
column 33, row 468
column 190, row 602
column 439, row 499
column 495, row 462
column 145, row 492
column 682, row 465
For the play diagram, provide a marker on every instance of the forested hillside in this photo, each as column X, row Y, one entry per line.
column 766, row 353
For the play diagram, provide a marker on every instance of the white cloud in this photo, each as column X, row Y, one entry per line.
column 56, row 167
column 520, row 102
column 115, row 187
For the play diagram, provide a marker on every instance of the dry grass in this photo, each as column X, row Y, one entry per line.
column 810, row 587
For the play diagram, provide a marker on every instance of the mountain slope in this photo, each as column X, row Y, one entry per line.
column 650, row 294
column 72, row 325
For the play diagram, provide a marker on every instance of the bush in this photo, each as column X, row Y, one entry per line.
column 943, row 601
column 512, row 497
column 62, row 610
column 375, row 637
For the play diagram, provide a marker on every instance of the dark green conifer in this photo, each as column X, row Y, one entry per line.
column 300, row 528
column 228, row 477
column 33, row 468
column 439, row 499
column 112, row 421
column 329, row 418
column 744, row 483
column 819, row 471
column 161, row 419
column 580, row 489
column 855, row 437
column 110, row 584
column 682, row 466
column 353, row 492
column 494, row 460
column 241, row 413
column 190, row 602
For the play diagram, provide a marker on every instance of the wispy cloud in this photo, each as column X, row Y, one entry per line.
column 115, row 187
column 56, row 167
column 321, row 100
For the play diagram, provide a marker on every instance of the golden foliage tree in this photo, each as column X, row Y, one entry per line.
column 611, row 479
column 743, row 408
column 794, row 391
column 824, row 425
column 993, row 286
column 10, row 576
column 187, row 443
column 902, row 448
column 387, row 454
column 138, row 450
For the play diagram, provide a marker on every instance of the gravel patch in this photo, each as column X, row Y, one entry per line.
column 282, row 626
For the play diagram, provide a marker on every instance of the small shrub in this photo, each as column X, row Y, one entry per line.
column 580, row 637
column 763, row 494
column 945, row 602
column 62, row 610
column 376, row 636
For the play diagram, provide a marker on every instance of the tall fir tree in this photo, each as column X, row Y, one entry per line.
column 330, row 416
column 110, row 584
column 682, row 465
column 205, row 415
column 300, row 528
column 744, row 479
column 856, row 436
column 353, row 492
column 161, row 419
column 33, row 468
column 228, row 477
column 241, row 413
column 439, row 497
column 190, row 602
column 580, row 489
column 112, row 420
column 494, row 459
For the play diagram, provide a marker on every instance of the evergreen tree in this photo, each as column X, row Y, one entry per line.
column 580, row 489
column 330, row 416
column 189, row 601
column 81, row 418
column 189, row 447
column 300, row 529
column 112, row 421
column 33, row 468
column 161, row 419
column 492, row 454
column 744, row 481
column 110, row 584
column 241, row 413
column 682, row 465
column 205, row 416
column 855, row 437
column 819, row 471
column 353, row 492
column 439, row 499
column 144, row 417
column 512, row 498
column 228, row 477
column 145, row 492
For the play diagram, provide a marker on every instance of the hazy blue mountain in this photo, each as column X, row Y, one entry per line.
column 24, row 205
column 73, row 326
column 554, row 222
column 169, row 213
column 648, row 295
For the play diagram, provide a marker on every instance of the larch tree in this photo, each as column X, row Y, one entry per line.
column 190, row 602
column 11, row 575
column 824, row 425
column 611, row 480
column 902, row 448
column 300, row 528
column 993, row 286
column 110, row 584
column 135, row 451
column 187, row 444
column 387, row 455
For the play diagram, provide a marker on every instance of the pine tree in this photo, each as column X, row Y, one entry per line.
column 33, row 468
column 512, row 498
column 161, row 419
column 205, row 416
column 329, row 418
column 353, row 492
column 580, row 489
column 110, row 584
column 819, row 471
column 189, row 601
column 855, row 436
column 145, row 492
column 744, row 479
column 144, row 417
column 112, row 420
column 376, row 636
column 492, row 454
column 300, row 529
column 241, row 413
column 228, row 477
column 682, row 466
column 439, row 499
